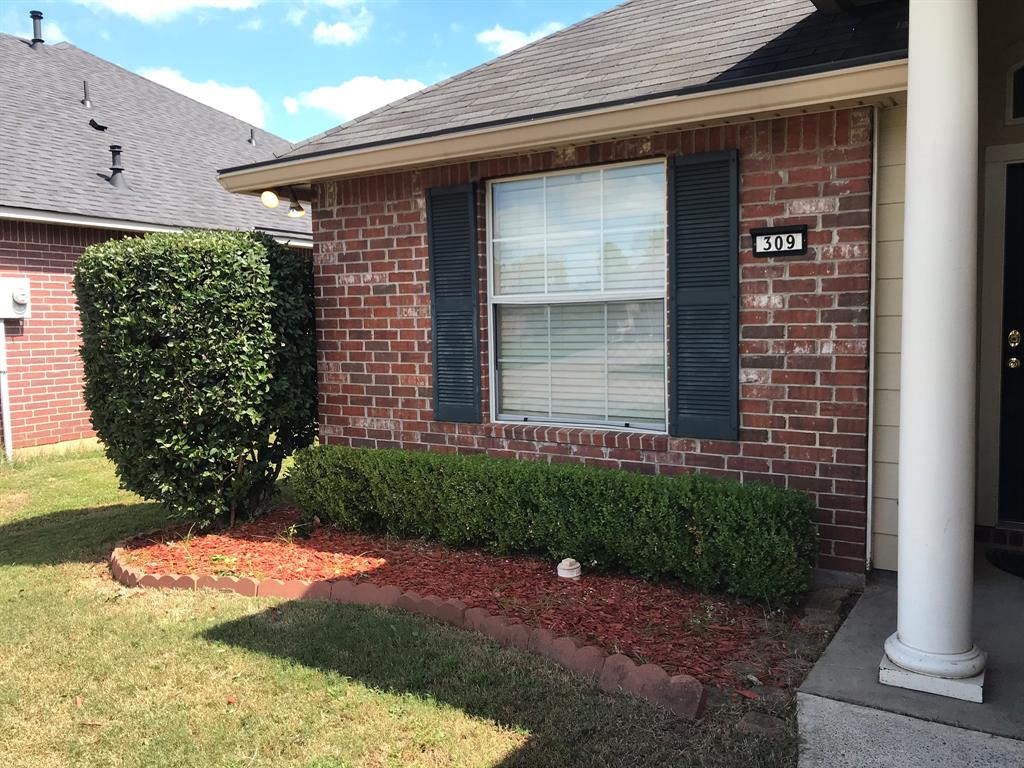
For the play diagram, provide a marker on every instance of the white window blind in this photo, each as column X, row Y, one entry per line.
column 598, row 231
column 578, row 287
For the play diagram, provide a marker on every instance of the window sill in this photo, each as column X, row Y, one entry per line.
column 581, row 425
column 568, row 434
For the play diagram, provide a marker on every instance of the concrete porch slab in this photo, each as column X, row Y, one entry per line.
column 835, row 734
column 848, row 670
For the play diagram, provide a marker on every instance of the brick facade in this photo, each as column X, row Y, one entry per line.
column 42, row 351
column 804, row 321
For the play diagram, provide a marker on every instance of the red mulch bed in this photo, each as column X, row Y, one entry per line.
column 718, row 640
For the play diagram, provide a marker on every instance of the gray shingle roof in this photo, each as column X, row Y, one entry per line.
column 52, row 160
column 638, row 50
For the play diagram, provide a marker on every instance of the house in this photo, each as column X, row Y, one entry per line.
column 752, row 239
column 90, row 151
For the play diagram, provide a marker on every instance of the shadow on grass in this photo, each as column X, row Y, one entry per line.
column 570, row 723
column 75, row 535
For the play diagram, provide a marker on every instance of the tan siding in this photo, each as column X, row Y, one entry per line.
column 887, row 408
column 892, row 131
column 884, row 550
column 890, row 259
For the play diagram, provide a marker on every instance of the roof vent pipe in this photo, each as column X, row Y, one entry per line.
column 116, row 169
column 85, row 95
column 252, row 136
column 37, row 28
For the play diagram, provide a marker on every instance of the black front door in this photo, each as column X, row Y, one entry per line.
column 1011, row 423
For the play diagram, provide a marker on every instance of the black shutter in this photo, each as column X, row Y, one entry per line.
column 703, row 238
column 454, row 299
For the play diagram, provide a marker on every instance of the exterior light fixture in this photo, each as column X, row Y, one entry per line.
column 295, row 210
column 269, row 198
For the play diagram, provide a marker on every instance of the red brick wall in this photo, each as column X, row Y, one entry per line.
column 804, row 320
column 42, row 351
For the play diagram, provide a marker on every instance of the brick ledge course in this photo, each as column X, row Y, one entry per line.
column 682, row 694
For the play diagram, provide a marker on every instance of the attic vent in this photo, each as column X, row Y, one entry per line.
column 85, row 95
column 252, row 136
column 117, row 178
column 37, row 28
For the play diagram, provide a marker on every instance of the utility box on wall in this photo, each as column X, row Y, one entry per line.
column 15, row 302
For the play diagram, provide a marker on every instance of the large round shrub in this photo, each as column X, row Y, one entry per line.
column 200, row 364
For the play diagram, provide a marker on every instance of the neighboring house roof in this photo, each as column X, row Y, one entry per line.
column 640, row 50
column 52, row 160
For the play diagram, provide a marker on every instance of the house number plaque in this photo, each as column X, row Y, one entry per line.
column 779, row 241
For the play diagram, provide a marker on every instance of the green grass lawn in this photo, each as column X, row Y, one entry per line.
column 94, row 674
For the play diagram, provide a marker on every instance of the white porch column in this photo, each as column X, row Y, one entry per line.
column 932, row 649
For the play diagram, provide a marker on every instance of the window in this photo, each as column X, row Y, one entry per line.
column 1015, row 95
column 577, row 289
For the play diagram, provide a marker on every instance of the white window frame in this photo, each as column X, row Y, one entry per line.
column 546, row 298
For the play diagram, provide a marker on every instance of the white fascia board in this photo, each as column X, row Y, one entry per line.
column 854, row 86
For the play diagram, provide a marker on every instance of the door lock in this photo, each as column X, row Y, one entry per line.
column 1013, row 339
column 1013, row 362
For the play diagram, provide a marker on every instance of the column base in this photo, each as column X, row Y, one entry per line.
column 949, row 665
column 956, row 675
column 963, row 688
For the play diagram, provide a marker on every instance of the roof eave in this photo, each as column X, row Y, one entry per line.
column 865, row 83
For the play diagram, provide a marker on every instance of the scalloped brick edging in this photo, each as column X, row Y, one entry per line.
column 682, row 694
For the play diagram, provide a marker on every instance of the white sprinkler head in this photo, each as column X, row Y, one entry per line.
column 569, row 569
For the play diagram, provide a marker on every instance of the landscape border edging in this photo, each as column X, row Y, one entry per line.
column 683, row 695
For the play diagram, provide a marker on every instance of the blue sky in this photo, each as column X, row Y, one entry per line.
column 296, row 68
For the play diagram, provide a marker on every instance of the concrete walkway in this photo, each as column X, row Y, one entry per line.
column 834, row 734
column 847, row 718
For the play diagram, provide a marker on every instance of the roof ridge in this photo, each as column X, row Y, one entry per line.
column 398, row 102
column 28, row 41
column 25, row 40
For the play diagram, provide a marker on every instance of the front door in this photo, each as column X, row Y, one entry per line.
column 1011, row 429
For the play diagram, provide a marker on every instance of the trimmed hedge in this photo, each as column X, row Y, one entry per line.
column 751, row 540
column 200, row 364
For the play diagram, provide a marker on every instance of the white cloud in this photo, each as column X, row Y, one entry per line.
column 164, row 10
column 252, row 25
column 500, row 40
column 333, row 34
column 356, row 96
column 291, row 105
column 53, row 33
column 239, row 101
column 295, row 16
column 343, row 32
column 299, row 9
